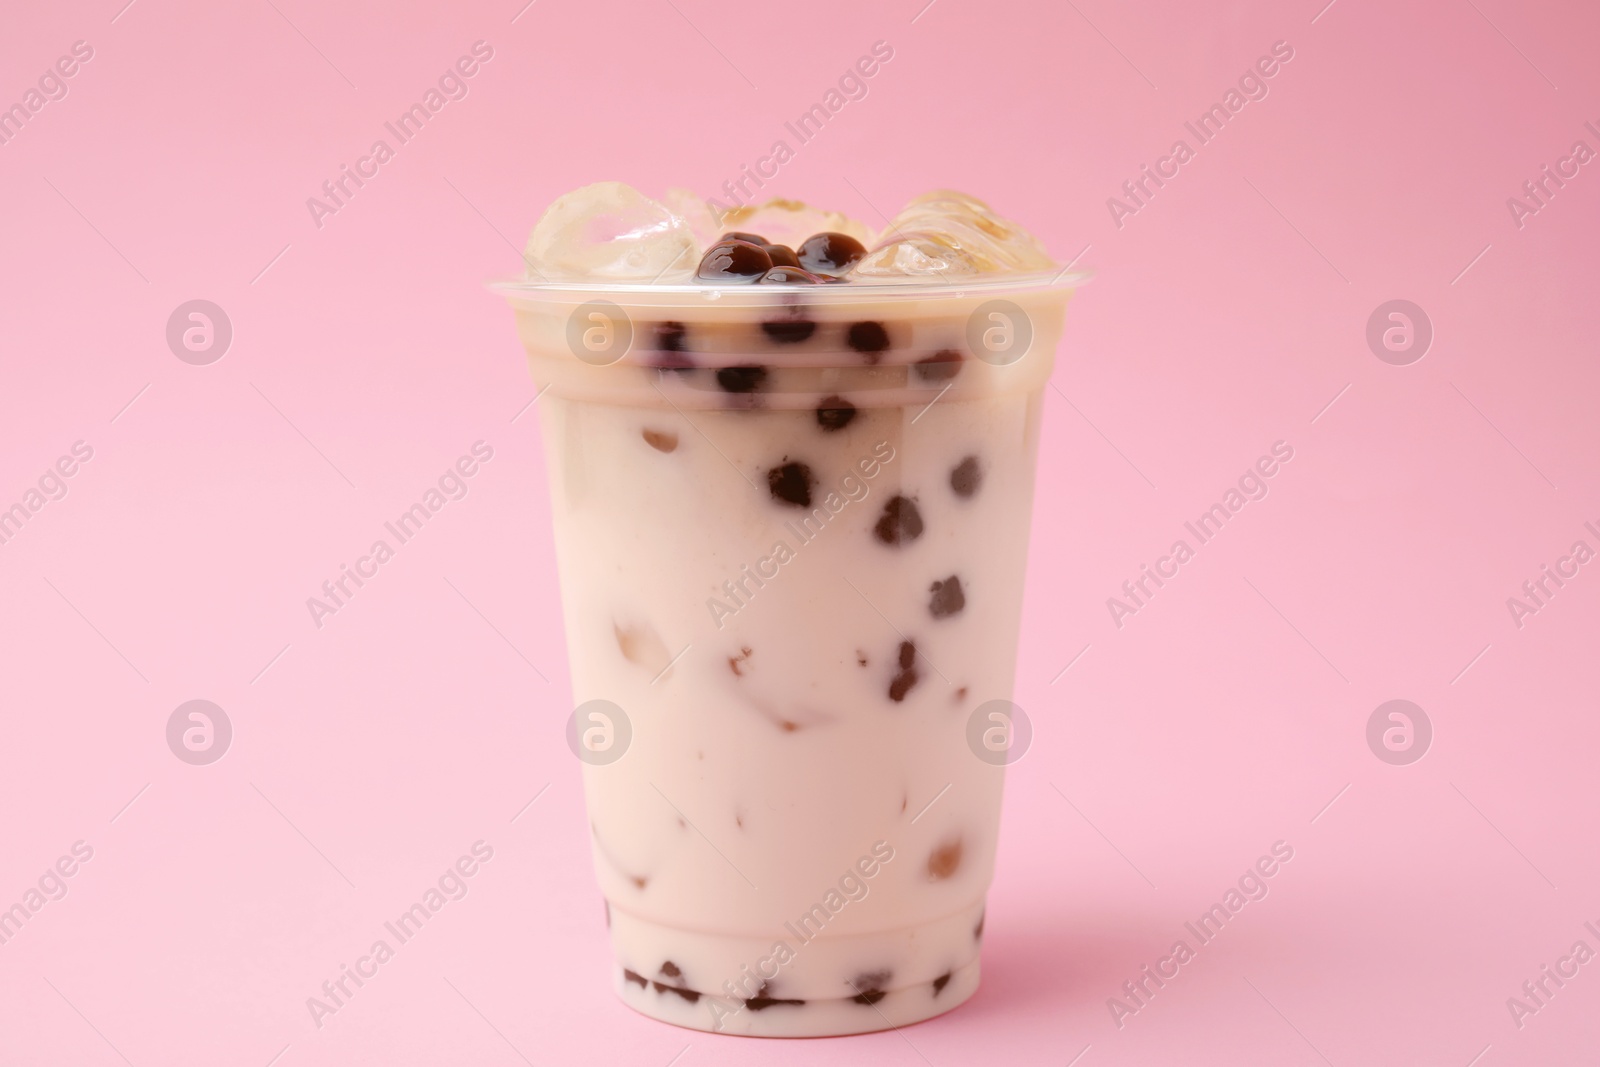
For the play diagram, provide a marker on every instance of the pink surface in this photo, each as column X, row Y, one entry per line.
column 1229, row 713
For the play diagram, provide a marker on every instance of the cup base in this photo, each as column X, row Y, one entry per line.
column 879, row 1010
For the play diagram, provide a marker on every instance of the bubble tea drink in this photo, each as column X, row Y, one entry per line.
column 791, row 466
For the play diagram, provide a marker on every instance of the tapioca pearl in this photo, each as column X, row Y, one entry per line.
column 635, row 976
column 947, row 599
column 939, row 367
column 745, row 652
column 871, row 986
column 692, row 996
column 790, row 330
column 787, row 275
column 945, row 860
column 940, row 982
column 738, row 262
column 966, row 477
column 868, row 338
column 903, row 682
column 677, row 984
column 900, row 523
column 742, row 379
column 782, row 256
column 835, row 413
column 660, row 440
column 748, row 238
column 671, row 347
column 830, row 253
column 671, row 337
column 763, row 999
column 791, row 484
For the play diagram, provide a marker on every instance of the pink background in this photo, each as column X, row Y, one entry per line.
column 1227, row 314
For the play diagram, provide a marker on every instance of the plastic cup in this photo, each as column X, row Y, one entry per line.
column 791, row 525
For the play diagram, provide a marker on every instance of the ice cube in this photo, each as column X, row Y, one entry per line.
column 611, row 231
column 702, row 219
column 789, row 222
column 950, row 234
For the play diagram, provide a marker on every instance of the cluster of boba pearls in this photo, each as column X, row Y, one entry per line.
column 747, row 258
column 743, row 258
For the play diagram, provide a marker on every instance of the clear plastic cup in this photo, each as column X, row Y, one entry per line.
column 792, row 524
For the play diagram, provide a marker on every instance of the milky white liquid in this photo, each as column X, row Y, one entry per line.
column 780, row 828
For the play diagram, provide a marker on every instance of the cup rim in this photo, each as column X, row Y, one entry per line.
column 996, row 283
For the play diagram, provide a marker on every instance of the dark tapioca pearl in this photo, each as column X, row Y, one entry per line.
column 748, row 238
column 944, row 861
column 791, row 484
column 939, row 367
column 734, row 661
column 782, row 256
column 868, row 338
column 671, row 970
column 830, row 253
column 742, row 379
column 784, row 275
column 961, row 694
column 947, row 599
column 869, row 987
column 762, row 1000
column 634, row 976
column 671, row 347
column 660, row 440
column 734, row 261
column 940, row 982
column 790, row 330
column 671, row 337
column 902, row 683
column 900, row 523
column 966, row 477
column 687, row 994
column 908, row 655
column 835, row 413
column 861, row 657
